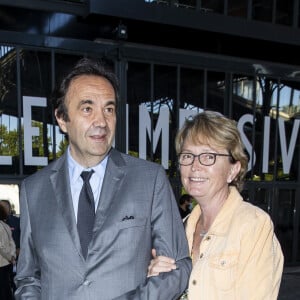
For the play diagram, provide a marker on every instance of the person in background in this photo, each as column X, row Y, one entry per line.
column 14, row 223
column 185, row 202
column 234, row 250
column 7, row 256
column 90, row 219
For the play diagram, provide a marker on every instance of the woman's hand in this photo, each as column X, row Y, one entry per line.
column 160, row 264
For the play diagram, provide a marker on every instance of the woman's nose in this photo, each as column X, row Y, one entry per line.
column 196, row 164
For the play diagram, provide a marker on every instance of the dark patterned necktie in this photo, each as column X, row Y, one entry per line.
column 86, row 212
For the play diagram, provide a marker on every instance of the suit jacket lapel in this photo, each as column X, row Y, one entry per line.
column 113, row 177
column 61, row 186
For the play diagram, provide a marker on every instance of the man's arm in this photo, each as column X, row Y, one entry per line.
column 28, row 276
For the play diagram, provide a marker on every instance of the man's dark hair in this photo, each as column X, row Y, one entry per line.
column 85, row 66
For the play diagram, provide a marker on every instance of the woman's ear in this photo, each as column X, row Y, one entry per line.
column 233, row 171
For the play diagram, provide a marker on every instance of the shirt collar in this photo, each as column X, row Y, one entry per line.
column 75, row 168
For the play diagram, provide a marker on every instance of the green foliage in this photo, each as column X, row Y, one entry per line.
column 9, row 141
column 62, row 147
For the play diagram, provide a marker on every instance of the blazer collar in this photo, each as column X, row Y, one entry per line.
column 61, row 185
column 112, row 181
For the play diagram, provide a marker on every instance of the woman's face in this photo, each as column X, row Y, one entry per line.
column 207, row 182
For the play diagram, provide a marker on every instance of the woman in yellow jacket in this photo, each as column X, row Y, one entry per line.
column 235, row 253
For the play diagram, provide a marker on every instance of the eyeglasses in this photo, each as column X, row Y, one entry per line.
column 205, row 159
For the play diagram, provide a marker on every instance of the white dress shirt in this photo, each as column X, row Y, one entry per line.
column 76, row 181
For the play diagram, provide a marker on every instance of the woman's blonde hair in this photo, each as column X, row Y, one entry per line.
column 214, row 129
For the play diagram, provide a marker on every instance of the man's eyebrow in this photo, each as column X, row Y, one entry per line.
column 110, row 102
column 84, row 101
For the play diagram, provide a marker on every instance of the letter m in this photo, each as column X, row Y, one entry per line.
column 162, row 128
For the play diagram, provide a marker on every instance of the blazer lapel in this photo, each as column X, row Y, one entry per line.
column 113, row 177
column 61, row 184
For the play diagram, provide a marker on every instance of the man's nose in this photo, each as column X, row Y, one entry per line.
column 99, row 119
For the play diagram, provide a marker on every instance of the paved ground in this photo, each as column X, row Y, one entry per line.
column 290, row 285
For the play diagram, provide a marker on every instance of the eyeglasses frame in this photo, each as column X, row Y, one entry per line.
column 198, row 155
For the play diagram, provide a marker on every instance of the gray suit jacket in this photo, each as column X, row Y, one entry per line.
column 136, row 212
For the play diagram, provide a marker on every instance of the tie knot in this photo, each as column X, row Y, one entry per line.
column 86, row 175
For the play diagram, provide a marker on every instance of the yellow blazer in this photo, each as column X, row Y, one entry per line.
column 240, row 256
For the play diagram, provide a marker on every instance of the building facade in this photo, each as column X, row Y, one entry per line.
column 173, row 59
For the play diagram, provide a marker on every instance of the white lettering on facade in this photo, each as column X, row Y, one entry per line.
column 161, row 132
column 266, row 146
column 5, row 160
column 287, row 154
column 162, row 128
column 248, row 146
column 30, row 131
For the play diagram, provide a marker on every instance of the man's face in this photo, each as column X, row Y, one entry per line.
column 91, row 104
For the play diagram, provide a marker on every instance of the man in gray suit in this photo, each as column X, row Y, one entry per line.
column 133, row 208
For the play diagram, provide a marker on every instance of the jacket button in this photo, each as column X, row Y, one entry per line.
column 201, row 255
column 194, row 282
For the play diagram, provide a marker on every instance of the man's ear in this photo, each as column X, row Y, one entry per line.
column 61, row 122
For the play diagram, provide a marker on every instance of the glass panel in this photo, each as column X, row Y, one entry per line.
column 9, row 130
column 67, row 1
column 36, row 89
column 216, row 91
column 284, row 12
column 273, row 152
column 161, row 2
column 138, row 92
column 192, row 89
column 263, row 164
column 298, row 18
column 149, row 134
column 242, row 111
column 237, row 8
column 191, row 4
column 154, row 105
column 284, row 227
column 262, row 10
column 191, row 95
column 262, row 199
column 284, row 111
column 164, row 112
column 215, row 6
